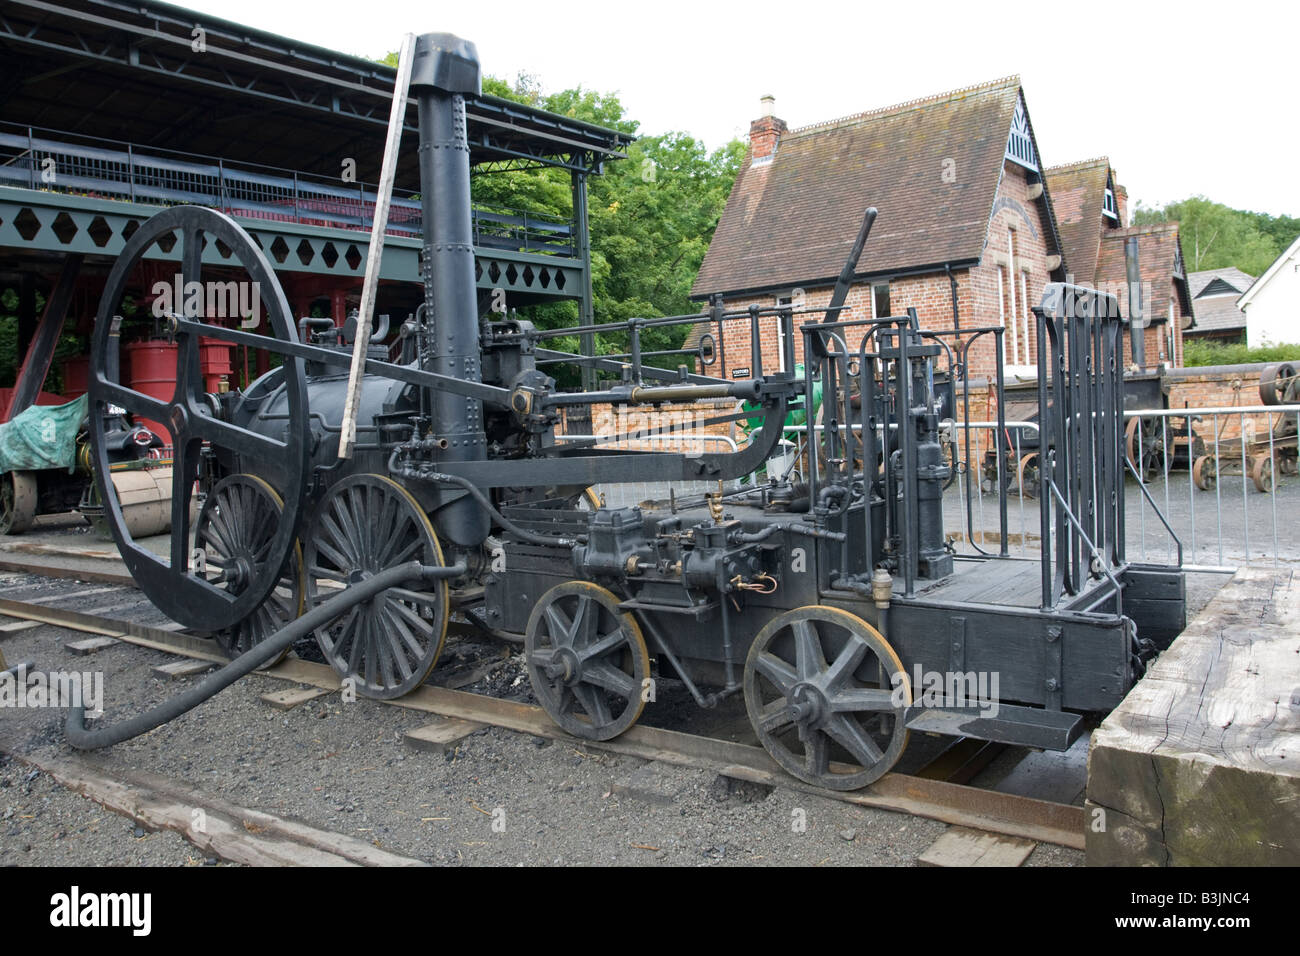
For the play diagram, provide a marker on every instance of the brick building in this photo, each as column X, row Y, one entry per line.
column 965, row 234
column 1092, row 214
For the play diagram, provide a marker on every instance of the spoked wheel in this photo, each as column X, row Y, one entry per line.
column 820, row 691
column 17, row 501
column 1145, row 448
column 191, row 416
column 1261, row 473
column 390, row 644
column 1205, row 472
column 587, row 660
column 1277, row 383
column 1028, row 475
column 234, row 531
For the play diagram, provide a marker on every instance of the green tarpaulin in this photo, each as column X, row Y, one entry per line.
column 43, row 436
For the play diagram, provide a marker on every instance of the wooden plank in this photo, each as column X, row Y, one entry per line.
column 958, row 846
column 441, row 735
column 70, row 595
column 14, row 627
column 91, row 645
column 291, row 698
column 178, row 669
column 1200, row 765
column 231, row 832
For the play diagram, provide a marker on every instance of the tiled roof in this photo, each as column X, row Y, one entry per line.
column 1234, row 277
column 1078, row 192
column 1157, row 247
column 793, row 221
column 1219, row 313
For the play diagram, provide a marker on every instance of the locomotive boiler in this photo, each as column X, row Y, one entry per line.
column 826, row 602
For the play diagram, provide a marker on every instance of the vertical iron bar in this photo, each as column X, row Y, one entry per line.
column 1002, row 427
column 1045, row 467
column 1218, row 493
column 1245, row 505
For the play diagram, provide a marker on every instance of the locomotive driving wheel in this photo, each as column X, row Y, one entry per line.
column 587, row 660
column 827, row 695
column 234, row 532
column 190, row 415
column 389, row 645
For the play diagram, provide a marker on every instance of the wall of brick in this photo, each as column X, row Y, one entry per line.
column 979, row 302
column 1220, row 386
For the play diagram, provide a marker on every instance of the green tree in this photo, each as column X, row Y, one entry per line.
column 1214, row 236
column 652, row 215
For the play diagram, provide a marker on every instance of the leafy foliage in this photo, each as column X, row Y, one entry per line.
column 1199, row 353
column 652, row 215
column 1214, row 236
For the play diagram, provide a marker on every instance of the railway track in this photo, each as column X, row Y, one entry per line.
column 939, row 791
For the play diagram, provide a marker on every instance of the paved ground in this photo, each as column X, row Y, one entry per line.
column 1221, row 526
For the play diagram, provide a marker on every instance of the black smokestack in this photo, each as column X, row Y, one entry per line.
column 446, row 68
column 1136, row 319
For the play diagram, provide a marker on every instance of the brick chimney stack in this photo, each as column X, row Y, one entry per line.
column 1121, row 203
column 765, row 133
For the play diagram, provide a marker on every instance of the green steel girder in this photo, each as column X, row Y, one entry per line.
column 58, row 222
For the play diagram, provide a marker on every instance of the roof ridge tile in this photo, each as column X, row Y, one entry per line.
column 933, row 100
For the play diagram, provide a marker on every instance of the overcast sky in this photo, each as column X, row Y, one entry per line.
column 1184, row 98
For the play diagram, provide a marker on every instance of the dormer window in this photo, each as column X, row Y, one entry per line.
column 1108, row 208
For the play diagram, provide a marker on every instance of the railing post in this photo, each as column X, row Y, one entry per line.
column 297, row 214
column 130, row 171
column 31, row 156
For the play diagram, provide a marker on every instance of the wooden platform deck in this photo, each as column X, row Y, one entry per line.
column 1200, row 765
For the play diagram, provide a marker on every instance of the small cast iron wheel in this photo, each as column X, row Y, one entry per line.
column 820, row 688
column 1275, row 382
column 17, row 501
column 389, row 644
column 1145, row 448
column 190, row 415
column 1029, row 475
column 1205, row 472
column 1261, row 473
column 587, row 660
column 235, row 530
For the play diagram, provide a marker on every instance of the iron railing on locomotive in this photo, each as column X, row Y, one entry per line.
column 1081, row 519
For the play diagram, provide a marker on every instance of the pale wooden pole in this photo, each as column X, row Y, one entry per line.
column 369, row 289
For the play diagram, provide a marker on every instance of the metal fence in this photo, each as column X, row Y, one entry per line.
column 1220, row 481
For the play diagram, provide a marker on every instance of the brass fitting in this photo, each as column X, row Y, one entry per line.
column 882, row 588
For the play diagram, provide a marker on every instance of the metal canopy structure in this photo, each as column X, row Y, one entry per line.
column 96, row 67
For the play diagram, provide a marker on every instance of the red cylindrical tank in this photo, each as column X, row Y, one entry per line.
column 151, row 370
column 215, row 363
column 76, row 375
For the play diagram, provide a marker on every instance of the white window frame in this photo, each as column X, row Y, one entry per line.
column 781, row 302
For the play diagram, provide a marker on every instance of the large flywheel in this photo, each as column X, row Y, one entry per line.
column 214, row 243
column 827, row 696
column 390, row 644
